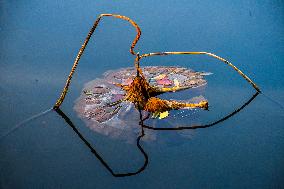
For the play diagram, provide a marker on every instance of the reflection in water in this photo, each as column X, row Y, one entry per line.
column 143, row 126
column 93, row 150
column 13, row 129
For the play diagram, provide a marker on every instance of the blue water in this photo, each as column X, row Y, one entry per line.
column 39, row 42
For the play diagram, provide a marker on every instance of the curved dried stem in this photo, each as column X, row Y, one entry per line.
column 205, row 53
column 138, row 57
column 68, row 81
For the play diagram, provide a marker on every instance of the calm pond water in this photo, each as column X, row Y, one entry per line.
column 39, row 42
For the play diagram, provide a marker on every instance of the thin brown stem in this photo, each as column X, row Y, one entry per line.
column 138, row 57
column 81, row 51
column 205, row 53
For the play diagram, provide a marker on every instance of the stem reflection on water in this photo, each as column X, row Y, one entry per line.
column 142, row 134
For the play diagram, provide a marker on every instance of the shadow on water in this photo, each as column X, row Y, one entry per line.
column 143, row 126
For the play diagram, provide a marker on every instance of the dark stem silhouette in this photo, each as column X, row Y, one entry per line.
column 143, row 126
column 93, row 150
